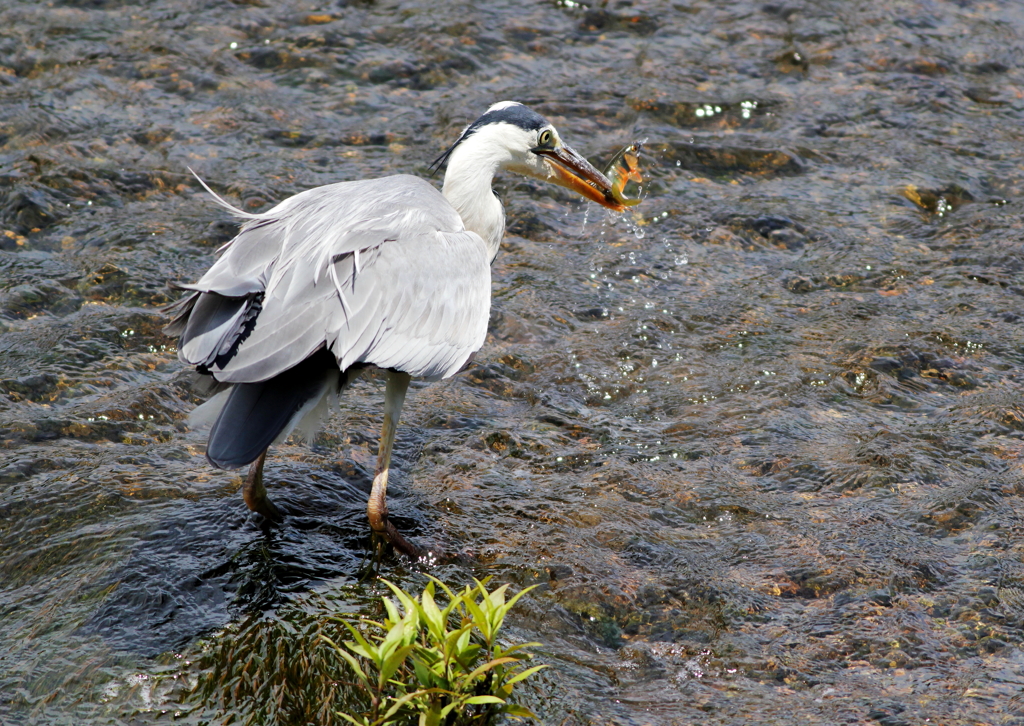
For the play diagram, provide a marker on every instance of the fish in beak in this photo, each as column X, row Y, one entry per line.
column 622, row 169
column 570, row 170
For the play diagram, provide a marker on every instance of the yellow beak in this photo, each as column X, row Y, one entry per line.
column 572, row 171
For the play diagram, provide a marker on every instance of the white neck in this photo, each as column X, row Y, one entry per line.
column 467, row 185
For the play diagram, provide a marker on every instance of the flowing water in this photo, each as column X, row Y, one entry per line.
column 759, row 439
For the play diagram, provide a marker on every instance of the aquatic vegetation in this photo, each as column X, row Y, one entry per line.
column 415, row 665
column 271, row 669
column 424, row 663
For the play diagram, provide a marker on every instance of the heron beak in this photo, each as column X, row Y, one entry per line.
column 570, row 170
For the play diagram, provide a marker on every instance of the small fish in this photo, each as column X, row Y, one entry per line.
column 625, row 167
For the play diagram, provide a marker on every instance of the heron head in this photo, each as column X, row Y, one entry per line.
column 515, row 138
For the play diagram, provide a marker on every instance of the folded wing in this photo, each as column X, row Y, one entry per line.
column 380, row 272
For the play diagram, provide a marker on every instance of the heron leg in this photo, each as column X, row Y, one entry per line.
column 255, row 494
column 377, row 506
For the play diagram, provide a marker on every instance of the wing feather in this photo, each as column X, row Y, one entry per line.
column 383, row 271
column 211, row 326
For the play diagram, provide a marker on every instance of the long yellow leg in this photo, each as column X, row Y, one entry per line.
column 255, row 494
column 377, row 506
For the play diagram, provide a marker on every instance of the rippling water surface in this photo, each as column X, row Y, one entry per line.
column 759, row 439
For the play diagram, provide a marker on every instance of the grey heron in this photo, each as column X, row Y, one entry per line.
column 386, row 273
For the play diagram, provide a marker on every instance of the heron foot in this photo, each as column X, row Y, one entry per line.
column 255, row 493
column 389, row 533
column 379, row 541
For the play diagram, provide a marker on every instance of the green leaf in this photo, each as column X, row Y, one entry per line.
column 479, row 619
column 479, row 700
column 350, row 719
column 432, row 615
column 515, row 598
column 352, row 662
column 448, row 709
column 523, row 674
column 423, row 674
column 359, row 650
column 517, row 712
column 364, row 648
column 481, row 585
column 513, row 648
column 395, row 660
column 326, row 640
column 463, row 643
column 503, row 610
column 430, row 656
column 394, row 638
column 408, row 604
column 451, row 596
column 455, row 603
column 484, row 668
column 496, row 614
column 497, row 598
column 468, row 657
column 438, row 677
column 411, row 623
column 405, row 699
column 455, row 637
column 393, row 614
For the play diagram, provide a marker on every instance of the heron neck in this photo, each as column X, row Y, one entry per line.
column 467, row 186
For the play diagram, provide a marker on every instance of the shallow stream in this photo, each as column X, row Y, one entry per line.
column 759, row 439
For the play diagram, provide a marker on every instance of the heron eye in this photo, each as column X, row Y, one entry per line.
column 546, row 138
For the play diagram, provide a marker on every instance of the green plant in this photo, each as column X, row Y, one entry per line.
column 436, row 665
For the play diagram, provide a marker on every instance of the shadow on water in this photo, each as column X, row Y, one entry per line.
column 181, row 582
column 210, row 561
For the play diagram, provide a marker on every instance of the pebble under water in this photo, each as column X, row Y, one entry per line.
column 759, row 439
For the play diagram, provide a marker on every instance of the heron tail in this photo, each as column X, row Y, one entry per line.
column 255, row 415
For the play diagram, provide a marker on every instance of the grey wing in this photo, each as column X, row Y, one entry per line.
column 381, row 272
column 420, row 305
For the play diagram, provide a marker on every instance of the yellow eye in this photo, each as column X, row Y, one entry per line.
column 546, row 137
